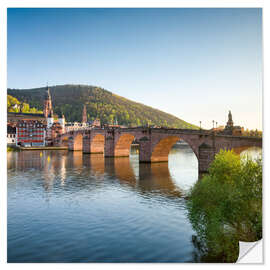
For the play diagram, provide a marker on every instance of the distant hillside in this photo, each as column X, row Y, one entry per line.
column 14, row 105
column 69, row 99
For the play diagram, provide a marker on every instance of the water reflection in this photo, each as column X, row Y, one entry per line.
column 144, row 177
column 252, row 152
column 124, row 172
column 96, row 163
column 92, row 207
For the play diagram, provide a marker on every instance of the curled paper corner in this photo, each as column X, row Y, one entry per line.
column 250, row 252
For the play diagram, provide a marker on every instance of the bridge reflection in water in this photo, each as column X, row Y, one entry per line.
column 143, row 177
column 171, row 178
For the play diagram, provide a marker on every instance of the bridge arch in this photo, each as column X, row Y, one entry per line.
column 97, row 144
column 163, row 147
column 123, row 144
column 240, row 150
column 76, row 142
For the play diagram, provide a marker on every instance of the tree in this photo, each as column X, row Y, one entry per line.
column 12, row 104
column 225, row 207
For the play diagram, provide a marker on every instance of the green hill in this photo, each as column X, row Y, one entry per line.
column 14, row 105
column 69, row 99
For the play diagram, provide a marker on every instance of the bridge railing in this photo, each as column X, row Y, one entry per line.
column 162, row 130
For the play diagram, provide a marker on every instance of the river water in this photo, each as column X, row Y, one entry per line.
column 73, row 207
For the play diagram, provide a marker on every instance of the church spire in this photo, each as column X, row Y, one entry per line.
column 230, row 121
column 47, row 107
column 84, row 115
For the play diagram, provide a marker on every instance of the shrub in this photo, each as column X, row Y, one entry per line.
column 225, row 207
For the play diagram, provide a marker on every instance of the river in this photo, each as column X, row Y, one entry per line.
column 73, row 207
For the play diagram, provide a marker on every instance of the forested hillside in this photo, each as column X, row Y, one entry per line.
column 14, row 105
column 69, row 99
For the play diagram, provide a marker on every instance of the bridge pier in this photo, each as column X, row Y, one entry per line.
column 206, row 156
column 86, row 144
column 93, row 142
column 70, row 144
column 145, row 151
column 109, row 144
column 75, row 143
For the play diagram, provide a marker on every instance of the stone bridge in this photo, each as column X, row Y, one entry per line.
column 154, row 143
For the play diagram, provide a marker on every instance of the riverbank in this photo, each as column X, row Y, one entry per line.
column 12, row 149
column 44, row 148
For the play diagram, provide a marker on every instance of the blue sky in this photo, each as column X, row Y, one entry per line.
column 193, row 63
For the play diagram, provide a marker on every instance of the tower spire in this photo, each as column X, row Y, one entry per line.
column 230, row 121
column 47, row 106
column 84, row 115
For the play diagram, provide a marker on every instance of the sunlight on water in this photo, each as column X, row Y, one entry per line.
column 252, row 152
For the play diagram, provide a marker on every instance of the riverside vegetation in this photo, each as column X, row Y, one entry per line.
column 225, row 207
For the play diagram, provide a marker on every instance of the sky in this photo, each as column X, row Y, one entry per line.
column 196, row 63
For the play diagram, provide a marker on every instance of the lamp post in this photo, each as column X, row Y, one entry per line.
column 200, row 124
column 213, row 124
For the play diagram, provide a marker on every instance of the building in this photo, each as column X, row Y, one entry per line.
column 30, row 133
column 14, row 117
column 238, row 131
column 230, row 129
column 73, row 126
column 54, row 124
column 11, row 135
column 96, row 123
column 62, row 122
column 52, row 132
column 54, row 128
column 47, row 105
column 32, row 126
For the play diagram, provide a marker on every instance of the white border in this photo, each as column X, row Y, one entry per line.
column 139, row 3
column 134, row 3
